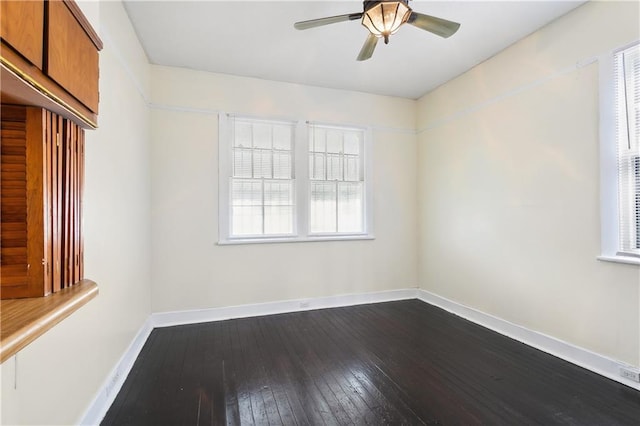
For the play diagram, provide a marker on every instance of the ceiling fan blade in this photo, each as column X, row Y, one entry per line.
column 367, row 49
column 305, row 25
column 438, row 26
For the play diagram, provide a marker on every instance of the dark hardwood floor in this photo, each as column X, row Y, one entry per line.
column 389, row 363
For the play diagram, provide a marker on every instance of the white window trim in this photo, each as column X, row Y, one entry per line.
column 609, row 214
column 301, row 173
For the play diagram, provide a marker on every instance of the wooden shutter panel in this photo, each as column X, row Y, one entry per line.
column 40, row 202
column 13, row 181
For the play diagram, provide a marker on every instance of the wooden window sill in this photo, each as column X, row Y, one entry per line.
column 24, row 320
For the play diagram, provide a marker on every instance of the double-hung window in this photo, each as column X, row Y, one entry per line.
column 292, row 181
column 627, row 71
column 262, row 178
column 620, row 126
column 336, row 180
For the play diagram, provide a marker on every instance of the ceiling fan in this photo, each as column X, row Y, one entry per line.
column 383, row 18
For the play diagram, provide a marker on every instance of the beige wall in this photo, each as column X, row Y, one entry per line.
column 503, row 191
column 59, row 374
column 509, row 187
column 191, row 271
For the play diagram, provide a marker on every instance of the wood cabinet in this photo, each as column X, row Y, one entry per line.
column 73, row 58
column 41, row 178
column 15, row 17
column 49, row 72
column 49, row 58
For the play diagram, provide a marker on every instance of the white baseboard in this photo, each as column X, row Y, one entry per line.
column 166, row 319
column 96, row 411
column 584, row 358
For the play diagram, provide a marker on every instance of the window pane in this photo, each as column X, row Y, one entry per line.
column 352, row 142
column 246, row 192
column 262, row 151
column 627, row 71
column 334, row 167
column 263, row 190
column 336, row 193
column 351, row 168
column 278, row 193
column 350, row 201
column 278, row 207
column 282, row 137
column 246, row 209
column 323, row 207
column 261, row 163
column 246, row 220
column 282, row 165
column 262, row 135
column 334, row 141
column 317, row 142
column 242, row 136
column 242, row 162
column 316, row 166
column 278, row 220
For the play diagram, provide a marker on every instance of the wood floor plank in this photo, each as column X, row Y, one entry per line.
column 343, row 409
column 332, row 358
column 465, row 383
column 169, row 406
column 402, row 362
column 369, row 373
column 230, row 379
column 132, row 405
column 380, row 409
column 387, row 345
column 242, row 371
column 284, row 367
column 207, row 374
column 275, row 402
column 277, row 376
column 318, row 399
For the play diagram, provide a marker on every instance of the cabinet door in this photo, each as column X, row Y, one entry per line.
column 13, row 200
column 41, row 176
column 73, row 58
column 22, row 269
column 22, row 27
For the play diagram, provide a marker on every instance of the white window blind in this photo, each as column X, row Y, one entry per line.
column 287, row 181
column 262, row 185
column 337, row 187
column 627, row 102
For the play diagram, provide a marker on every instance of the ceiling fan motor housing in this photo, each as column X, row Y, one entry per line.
column 368, row 4
column 383, row 18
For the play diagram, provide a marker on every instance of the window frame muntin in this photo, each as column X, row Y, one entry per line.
column 301, row 184
column 363, row 176
column 609, row 178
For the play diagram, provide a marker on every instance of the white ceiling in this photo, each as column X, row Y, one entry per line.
column 257, row 39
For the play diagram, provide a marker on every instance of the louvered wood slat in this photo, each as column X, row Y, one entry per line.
column 13, row 199
column 66, row 166
column 49, row 138
column 12, row 255
column 80, row 210
column 56, row 199
column 41, row 181
column 77, row 207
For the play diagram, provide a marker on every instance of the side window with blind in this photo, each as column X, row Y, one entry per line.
column 292, row 181
column 627, row 106
column 262, row 182
column 337, row 180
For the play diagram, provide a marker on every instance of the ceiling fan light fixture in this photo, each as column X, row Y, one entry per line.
column 385, row 17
